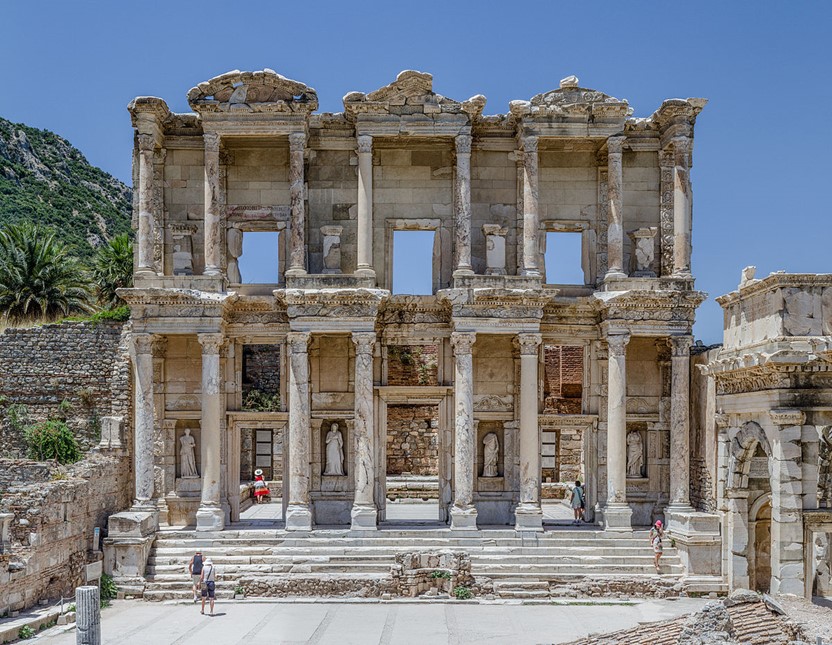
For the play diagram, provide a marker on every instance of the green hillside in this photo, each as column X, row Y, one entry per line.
column 44, row 179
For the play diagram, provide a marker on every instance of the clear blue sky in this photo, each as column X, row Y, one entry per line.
column 763, row 143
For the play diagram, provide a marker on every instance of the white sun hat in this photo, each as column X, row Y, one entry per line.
column 258, row 472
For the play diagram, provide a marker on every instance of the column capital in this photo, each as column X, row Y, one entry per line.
column 617, row 344
column 364, row 341
column 529, row 143
column 298, row 341
column 463, row 342
column 787, row 417
column 680, row 345
column 681, row 151
column 159, row 346
column 365, row 143
column 463, row 143
column 147, row 142
column 211, row 343
column 297, row 141
column 615, row 145
column 666, row 158
column 528, row 343
column 168, row 424
column 142, row 343
column 212, row 141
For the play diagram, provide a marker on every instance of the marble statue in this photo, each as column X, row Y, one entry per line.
column 635, row 454
column 334, row 451
column 187, row 457
column 491, row 449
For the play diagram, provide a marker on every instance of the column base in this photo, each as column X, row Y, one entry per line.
column 294, row 272
column 298, row 517
column 528, row 517
column 614, row 275
column 682, row 275
column 463, row 519
column 210, row 518
column 618, row 517
column 532, row 273
column 149, row 510
column 463, row 272
column 364, row 518
column 365, row 272
column 676, row 517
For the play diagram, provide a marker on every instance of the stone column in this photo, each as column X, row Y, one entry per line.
column 210, row 516
column 87, row 615
column 529, row 515
column 617, row 513
column 531, row 218
column 364, row 513
column 298, row 511
column 213, row 232
column 144, row 236
column 463, row 511
column 163, row 450
column 681, row 207
column 364, row 264
column 462, row 222
column 297, row 246
column 144, row 418
column 680, row 424
column 615, row 209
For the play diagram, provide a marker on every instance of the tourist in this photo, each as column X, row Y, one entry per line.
column 656, row 534
column 208, row 579
column 195, row 569
column 577, row 502
column 260, row 488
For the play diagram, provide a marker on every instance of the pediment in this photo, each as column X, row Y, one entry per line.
column 570, row 99
column 263, row 91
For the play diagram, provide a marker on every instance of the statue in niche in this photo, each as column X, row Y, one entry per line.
column 635, row 454
column 334, row 451
column 187, row 456
column 183, row 260
column 491, row 449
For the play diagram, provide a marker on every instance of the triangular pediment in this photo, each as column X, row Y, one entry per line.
column 263, row 91
column 570, row 99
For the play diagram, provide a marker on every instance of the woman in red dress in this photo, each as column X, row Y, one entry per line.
column 260, row 488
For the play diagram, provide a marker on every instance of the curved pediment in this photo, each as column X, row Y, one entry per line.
column 264, row 91
column 411, row 93
column 570, row 99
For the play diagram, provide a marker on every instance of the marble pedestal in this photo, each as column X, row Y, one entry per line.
column 528, row 518
column 618, row 517
column 210, row 518
column 298, row 518
column 364, row 518
column 463, row 519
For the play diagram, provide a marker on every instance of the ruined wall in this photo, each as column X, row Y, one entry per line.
column 563, row 378
column 55, row 512
column 413, row 439
column 412, row 365
column 84, row 364
column 261, row 369
column 703, row 439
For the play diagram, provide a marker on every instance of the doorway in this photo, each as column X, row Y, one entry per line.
column 761, row 534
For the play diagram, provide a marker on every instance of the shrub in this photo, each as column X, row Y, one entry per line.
column 463, row 593
column 52, row 440
column 108, row 591
column 441, row 574
column 116, row 314
column 25, row 632
column 259, row 401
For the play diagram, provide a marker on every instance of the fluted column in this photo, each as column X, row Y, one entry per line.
column 144, row 237
column 529, row 515
column 143, row 424
column 681, row 207
column 364, row 512
column 463, row 511
column 615, row 209
column 297, row 247
column 531, row 216
column 364, row 264
column 298, row 511
column 213, row 234
column 680, row 423
column 617, row 514
column 210, row 516
column 462, row 216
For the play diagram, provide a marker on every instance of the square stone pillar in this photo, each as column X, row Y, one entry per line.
column 495, row 249
column 213, row 206
column 680, row 425
column 364, row 512
column 736, row 539
column 787, row 567
column 463, row 511
column 528, row 515
column 146, row 188
column 143, row 423
column 531, row 205
column 681, row 207
column 297, row 207
column 298, row 510
column 331, row 244
column 462, row 203
column 617, row 513
column 364, row 265
column 210, row 516
column 615, row 209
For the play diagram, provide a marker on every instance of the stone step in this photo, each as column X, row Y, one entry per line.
column 307, row 567
column 399, row 545
column 520, row 583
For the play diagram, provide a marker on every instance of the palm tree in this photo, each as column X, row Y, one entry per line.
column 39, row 279
column 113, row 269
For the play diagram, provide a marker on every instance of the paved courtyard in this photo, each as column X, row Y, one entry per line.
column 267, row 623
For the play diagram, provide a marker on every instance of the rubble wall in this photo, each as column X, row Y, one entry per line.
column 412, row 439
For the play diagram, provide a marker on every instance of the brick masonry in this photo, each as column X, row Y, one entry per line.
column 412, row 365
column 413, row 439
column 261, row 369
column 563, row 379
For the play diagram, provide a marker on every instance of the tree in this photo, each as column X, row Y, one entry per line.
column 113, row 269
column 39, row 279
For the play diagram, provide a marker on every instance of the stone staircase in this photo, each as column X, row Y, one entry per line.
column 521, row 566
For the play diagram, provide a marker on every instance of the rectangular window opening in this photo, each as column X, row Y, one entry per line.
column 413, row 262
column 259, row 263
column 563, row 379
column 563, row 258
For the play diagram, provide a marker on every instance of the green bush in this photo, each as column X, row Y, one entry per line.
column 109, row 591
column 258, row 401
column 463, row 593
column 25, row 633
column 116, row 314
column 52, row 440
column 441, row 574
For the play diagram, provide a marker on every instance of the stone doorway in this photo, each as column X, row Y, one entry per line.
column 761, row 573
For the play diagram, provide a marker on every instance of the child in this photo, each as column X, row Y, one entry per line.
column 260, row 488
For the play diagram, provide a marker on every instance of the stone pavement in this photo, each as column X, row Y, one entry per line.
column 418, row 622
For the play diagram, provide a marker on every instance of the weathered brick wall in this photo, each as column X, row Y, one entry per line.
column 413, row 439
column 412, row 365
column 55, row 512
column 563, row 378
column 84, row 364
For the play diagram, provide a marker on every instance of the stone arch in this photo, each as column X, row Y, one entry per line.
column 743, row 444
